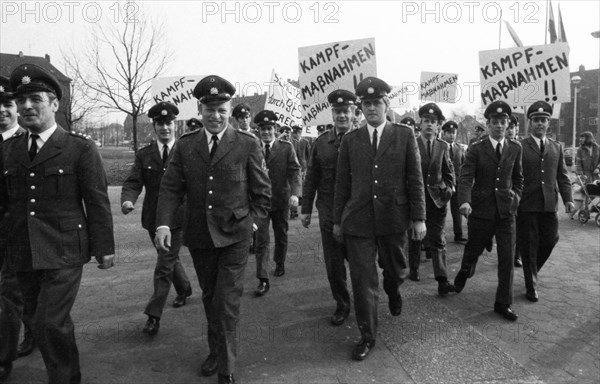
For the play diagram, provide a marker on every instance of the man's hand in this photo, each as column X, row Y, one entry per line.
column 337, row 233
column 465, row 209
column 105, row 262
column 419, row 230
column 162, row 240
column 305, row 219
column 127, row 207
column 569, row 207
column 294, row 201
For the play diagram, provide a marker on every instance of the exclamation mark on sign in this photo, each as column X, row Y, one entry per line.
column 554, row 98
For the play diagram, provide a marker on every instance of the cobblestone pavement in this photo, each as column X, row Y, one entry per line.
column 285, row 336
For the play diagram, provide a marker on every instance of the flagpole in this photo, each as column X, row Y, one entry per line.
column 546, row 30
column 500, row 31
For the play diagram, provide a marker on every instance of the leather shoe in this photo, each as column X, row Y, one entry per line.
column 279, row 270
column 27, row 345
column 209, row 366
column 152, row 326
column 532, row 295
column 263, row 287
column 459, row 239
column 362, row 349
column 505, row 311
column 226, row 379
column 518, row 262
column 339, row 316
column 460, row 280
column 180, row 300
column 5, row 371
column 395, row 305
column 414, row 276
column 444, row 288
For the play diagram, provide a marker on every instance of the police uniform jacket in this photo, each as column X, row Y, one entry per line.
column 58, row 207
column 488, row 184
column 438, row 171
column 302, row 148
column 4, row 223
column 284, row 173
column 320, row 175
column 223, row 193
column 545, row 177
column 378, row 194
column 147, row 172
column 458, row 158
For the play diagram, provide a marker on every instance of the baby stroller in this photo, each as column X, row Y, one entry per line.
column 591, row 203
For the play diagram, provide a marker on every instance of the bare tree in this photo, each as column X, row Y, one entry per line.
column 82, row 104
column 119, row 62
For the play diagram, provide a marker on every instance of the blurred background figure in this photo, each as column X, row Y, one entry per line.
column 587, row 160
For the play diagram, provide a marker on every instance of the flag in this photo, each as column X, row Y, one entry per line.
column 561, row 28
column 513, row 34
column 551, row 25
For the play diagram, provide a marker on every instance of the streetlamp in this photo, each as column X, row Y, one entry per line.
column 575, row 80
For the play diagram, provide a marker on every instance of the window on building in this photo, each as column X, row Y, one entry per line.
column 593, row 121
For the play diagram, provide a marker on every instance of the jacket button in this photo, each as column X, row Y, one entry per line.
column 60, row 171
column 32, row 213
column 210, row 192
column 496, row 189
column 32, row 201
column 210, row 207
column 376, row 166
column 374, row 196
column 78, row 225
column 210, row 178
column 32, row 187
column 375, row 181
column 32, row 174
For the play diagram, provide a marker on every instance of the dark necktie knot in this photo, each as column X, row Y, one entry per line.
column 498, row 151
column 34, row 147
column 374, row 144
column 215, row 141
column 165, row 154
column 451, row 151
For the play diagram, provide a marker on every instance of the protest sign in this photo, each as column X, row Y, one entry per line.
column 327, row 67
column 438, row 87
column 399, row 95
column 179, row 91
column 523, row 75
column 283, row 98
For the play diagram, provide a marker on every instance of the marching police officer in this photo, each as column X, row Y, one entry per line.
column 241, row 114
column 438, row 177
column 286, row 187
column 146, row 173
column 378, row 195
column 457, row 155
column 54, row 188
column 320, row 181
column 489, row 190
column 545, row 174
column 222, row 172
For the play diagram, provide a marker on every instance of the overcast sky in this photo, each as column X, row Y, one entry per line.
column 244, row 44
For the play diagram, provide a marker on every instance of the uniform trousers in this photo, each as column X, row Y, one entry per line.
column 364, row 253
column 456, row 216
column 434, row 241
column 53, row 329
column 11, row 312
column 537, row 234
column 335, row 255
column 220, row 273
column 481, row 232
column 168, row 269
column 279, row 220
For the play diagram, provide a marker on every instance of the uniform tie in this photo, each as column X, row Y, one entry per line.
column 165, row 154
column 267, row 151
column 429, row 148
column 542, row 147
column 451, row 151
column 498, row 151
column 374, row 144
column 215, row 140
column 33, row 149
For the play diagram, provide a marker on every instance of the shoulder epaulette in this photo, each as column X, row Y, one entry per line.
column 400, row 125
column 246, row 133
column 80, row 135
column 18, row 134
column 185, row 134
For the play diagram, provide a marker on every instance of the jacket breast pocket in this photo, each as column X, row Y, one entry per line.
column 57, row 179
column 15, row 186
column 74, row 240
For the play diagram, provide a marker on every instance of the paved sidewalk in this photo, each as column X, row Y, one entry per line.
column 285, row 336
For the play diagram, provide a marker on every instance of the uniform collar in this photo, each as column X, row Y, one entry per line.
column 10, row 133
column 44, row 136
column 494, row 142
column 170, row 145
